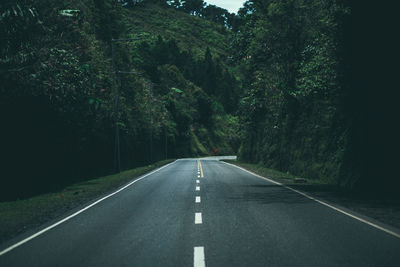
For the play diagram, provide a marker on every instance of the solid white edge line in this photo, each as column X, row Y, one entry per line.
column 198, row 257
column 197, row 218
column 198, row 199
column 321, row 202
column 78, row 212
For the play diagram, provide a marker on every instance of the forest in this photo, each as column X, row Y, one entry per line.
column 300, row 86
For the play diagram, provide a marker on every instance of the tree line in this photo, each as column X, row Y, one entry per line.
column 198, row 8
column 57, row 95
column 306, row 81
column 317, row 98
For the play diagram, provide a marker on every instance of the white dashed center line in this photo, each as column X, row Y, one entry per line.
column 197, row 218
column 199, row 259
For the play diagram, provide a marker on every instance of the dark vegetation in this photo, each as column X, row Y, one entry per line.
column 24, row 214
column 56, row 94
column 301, row 86
column 319, row 91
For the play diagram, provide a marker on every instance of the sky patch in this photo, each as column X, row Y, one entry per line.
column 231, row 5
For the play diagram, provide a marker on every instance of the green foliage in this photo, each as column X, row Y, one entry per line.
column 58, row 86
column 193, row 7
column 177, row 90
column 193, row 34
column 289, row 55
column 107, row 19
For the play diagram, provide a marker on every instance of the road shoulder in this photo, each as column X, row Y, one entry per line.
column 22, row 217
column 383, row 212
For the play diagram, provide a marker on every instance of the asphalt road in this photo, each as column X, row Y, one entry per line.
column 226, row 218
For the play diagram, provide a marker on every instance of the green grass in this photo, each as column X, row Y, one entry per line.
column 18, row 216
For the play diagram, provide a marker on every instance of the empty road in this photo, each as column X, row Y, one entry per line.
column 207, row 213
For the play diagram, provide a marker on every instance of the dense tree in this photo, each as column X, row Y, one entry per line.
column 307, row 106
column 193, row 7
column 57, row 93
column 107, row 19
column 288, row 73
column 215, row 14
column 289, row 54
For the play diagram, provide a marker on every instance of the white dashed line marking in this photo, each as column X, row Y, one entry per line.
column 199, row 259
column 197, row 181
column 197, row 218
column 198, row 199
column 197, row 188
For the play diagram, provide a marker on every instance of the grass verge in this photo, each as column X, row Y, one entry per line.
column 21, row 215
column 384, row 210
column 285, row 178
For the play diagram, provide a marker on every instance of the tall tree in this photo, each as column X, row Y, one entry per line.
column 289, row 54
column 193, row 7
column 215, row 14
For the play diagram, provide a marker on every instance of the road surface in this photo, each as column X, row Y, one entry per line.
column 207, row 213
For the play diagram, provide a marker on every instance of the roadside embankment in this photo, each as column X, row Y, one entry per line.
column 19, row 216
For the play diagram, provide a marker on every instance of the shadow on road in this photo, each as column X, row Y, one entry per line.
column 268, row 194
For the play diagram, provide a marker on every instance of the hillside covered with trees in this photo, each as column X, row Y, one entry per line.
column 296, row 85
column 58, row 95
column 318, row 91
